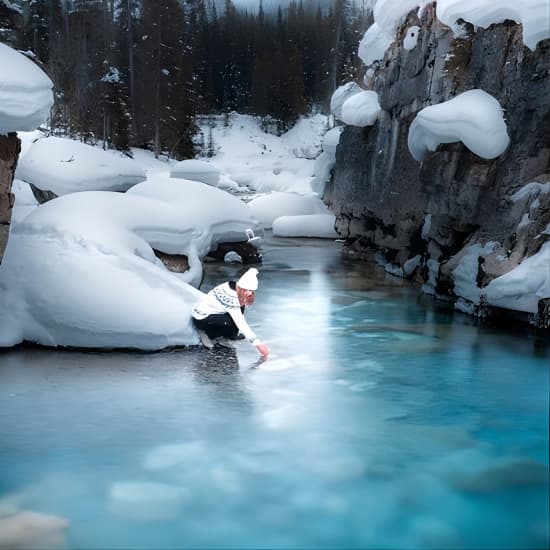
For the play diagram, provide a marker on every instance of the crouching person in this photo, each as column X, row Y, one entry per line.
column 220, row 314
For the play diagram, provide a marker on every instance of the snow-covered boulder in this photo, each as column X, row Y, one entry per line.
column 25, row 101
column 473, row 117
column 361, row 109
column 65, row 166
column 270, row 207
column 80, row 271
column 196, row 170
column 341, row 95
column 211, row 213
column 312, row 225
column 25, row 92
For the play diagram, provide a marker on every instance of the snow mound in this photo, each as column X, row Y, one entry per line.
column 25, row 94
column 269, row 207
column 522, row 288
column 211, row 215
column 312, row 225
column 473, row 117
column 67, row 166
column 361, row 109
column 80, row 271
column 196, row 170
column 341, row 95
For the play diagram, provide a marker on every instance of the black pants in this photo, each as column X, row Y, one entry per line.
column 220, row 324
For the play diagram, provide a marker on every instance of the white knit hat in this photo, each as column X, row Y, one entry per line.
column 248, row 280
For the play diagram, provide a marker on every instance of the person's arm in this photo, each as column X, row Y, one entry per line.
column 249, row 334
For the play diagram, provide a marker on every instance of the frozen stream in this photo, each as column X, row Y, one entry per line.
column 378, row 422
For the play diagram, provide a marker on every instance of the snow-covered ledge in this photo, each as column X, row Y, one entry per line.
column 25, row 101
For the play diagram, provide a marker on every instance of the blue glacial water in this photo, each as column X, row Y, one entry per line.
column 380, row 421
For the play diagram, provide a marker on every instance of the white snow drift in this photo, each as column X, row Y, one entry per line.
column 25, row 92
column 66, row 166
column 473, row 117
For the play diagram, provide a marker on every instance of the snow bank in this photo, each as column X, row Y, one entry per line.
column 196, row 170
column 80, row 271
column 249, row 156
column 312, row 225
column 25, row 93
column 473, row 117
column 269, row 207
column 304, row 139
column 522, row 288
column 361, row 109
column 534, row 15
column 66, row 166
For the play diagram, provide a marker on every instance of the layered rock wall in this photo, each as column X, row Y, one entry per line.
column 384, row 199
column 10, row 147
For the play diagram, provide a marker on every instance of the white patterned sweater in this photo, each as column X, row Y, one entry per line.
column 223, row 299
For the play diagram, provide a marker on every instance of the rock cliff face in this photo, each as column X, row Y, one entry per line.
column 10, row 146
column 386, row 200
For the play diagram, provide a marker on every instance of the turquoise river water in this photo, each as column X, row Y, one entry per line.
column 379, row 421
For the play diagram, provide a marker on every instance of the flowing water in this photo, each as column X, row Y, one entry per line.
column 379, row 421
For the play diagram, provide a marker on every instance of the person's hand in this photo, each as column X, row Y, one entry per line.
column 263, row 349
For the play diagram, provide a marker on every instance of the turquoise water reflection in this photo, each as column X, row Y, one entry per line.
column 379, row 422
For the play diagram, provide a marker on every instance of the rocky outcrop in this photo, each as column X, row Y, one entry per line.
column 431, row 211
column 10, row 147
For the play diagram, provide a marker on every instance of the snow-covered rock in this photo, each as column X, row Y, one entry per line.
column 473, row 117
column 269, row 207
column 361, row 109
column 196, row 170
column 312, row 225
column 25, row 92
column 80, row 271
column 65, row 166
column 341, row 95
